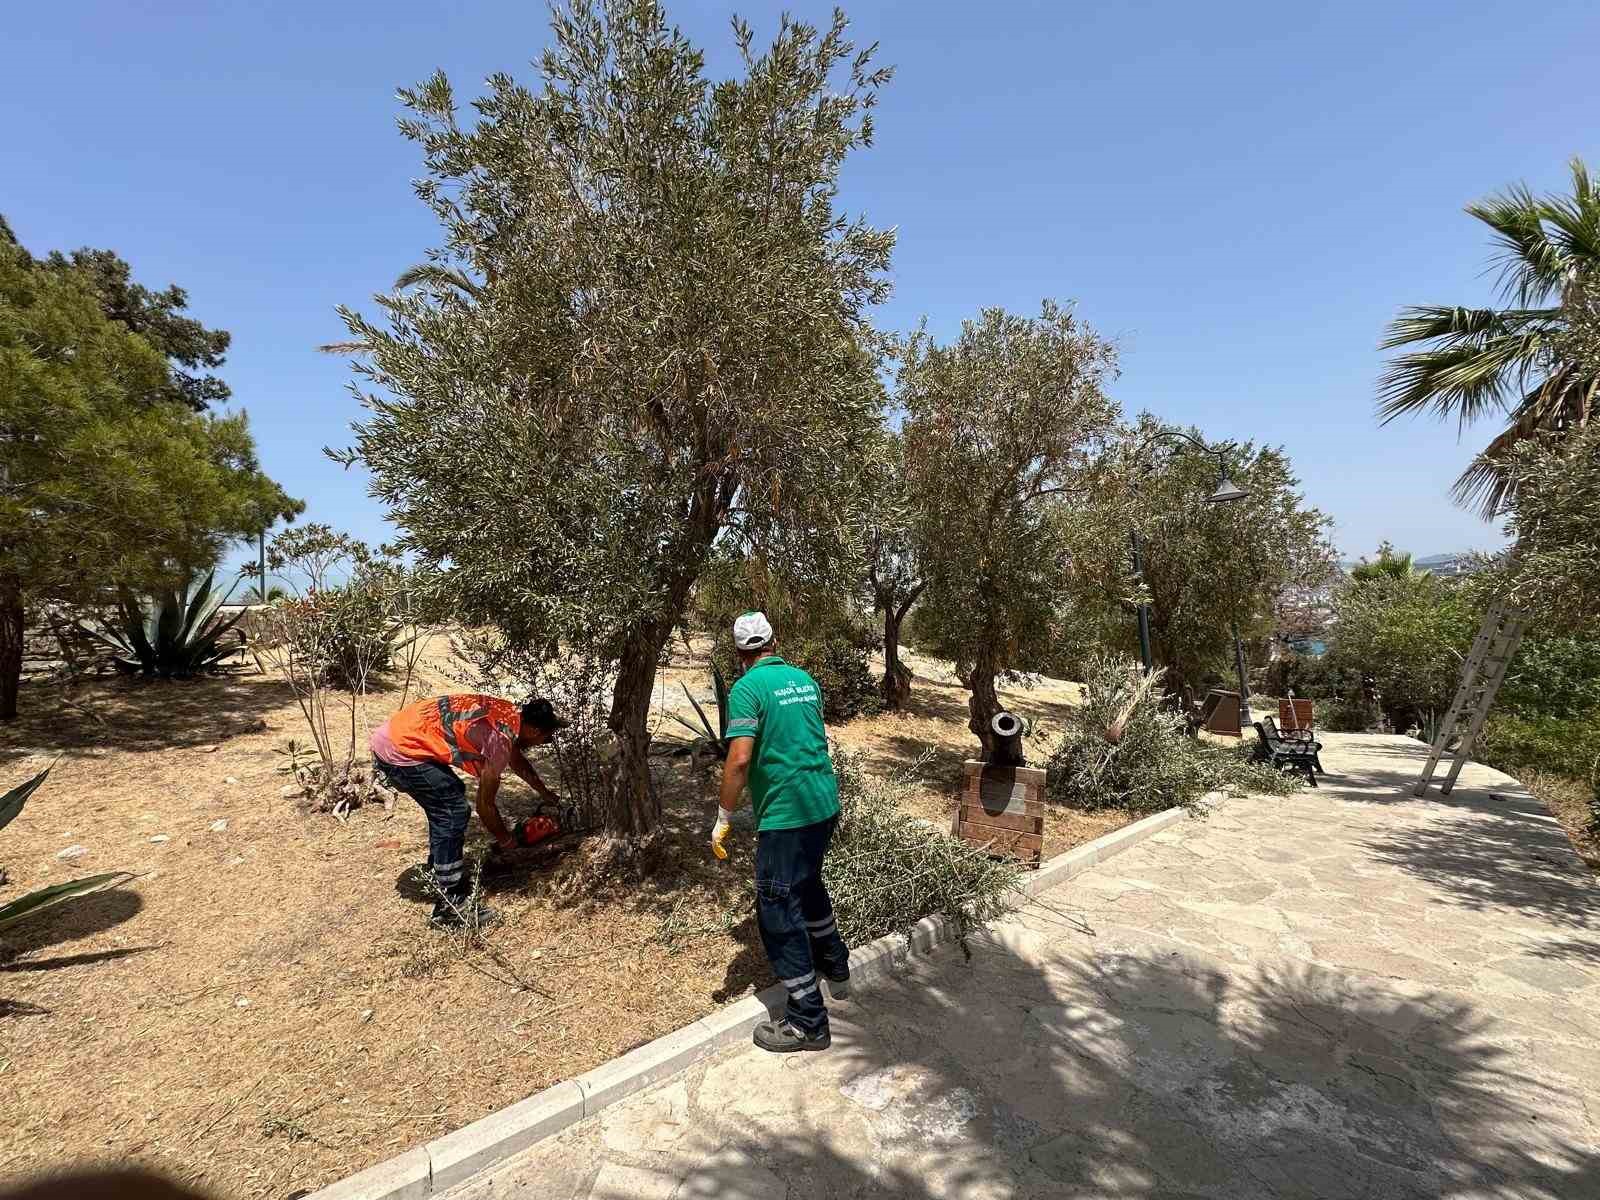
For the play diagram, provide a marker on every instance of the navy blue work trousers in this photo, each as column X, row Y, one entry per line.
column 796, row 919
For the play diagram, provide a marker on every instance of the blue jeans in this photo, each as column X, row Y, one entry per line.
column 796, row 919
column 443, row 798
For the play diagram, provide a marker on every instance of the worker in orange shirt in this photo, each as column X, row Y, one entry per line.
column 415, row 749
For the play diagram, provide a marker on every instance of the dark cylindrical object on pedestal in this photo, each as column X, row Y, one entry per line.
column 1007, row 729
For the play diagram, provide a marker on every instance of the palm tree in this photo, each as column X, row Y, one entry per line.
column 1515, row 359
column 1388, row 565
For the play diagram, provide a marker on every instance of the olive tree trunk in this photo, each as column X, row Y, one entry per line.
column 896, row 675
column 984, row 702
column 635, row 808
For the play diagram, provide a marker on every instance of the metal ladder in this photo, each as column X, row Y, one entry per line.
column 1481, row 676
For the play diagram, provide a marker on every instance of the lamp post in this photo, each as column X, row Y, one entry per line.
column 1226, row 492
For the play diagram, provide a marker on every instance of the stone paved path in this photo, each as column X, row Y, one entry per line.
column 1348, row 993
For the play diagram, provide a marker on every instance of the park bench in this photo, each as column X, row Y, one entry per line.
column 1272, row 747
column 1302, row 736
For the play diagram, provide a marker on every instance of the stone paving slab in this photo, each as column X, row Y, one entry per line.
column 1344, row 994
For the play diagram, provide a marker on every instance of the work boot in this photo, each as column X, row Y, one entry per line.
column 480, row 916
column 780, row 1037
column 838, row 985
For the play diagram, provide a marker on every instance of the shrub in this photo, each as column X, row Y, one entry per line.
column 1121, row 749
column 1553, row 676
column 887, row 870
column 335, row 639
column 1308, row 676
column 840, row 661
column 1514, row 743
column 1410, row 634
column 1349, row 714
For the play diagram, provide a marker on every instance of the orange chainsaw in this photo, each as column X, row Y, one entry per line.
column 544, row 825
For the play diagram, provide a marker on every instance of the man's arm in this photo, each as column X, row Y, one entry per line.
column 523, row 770
column 736, row 772
column 488, row 789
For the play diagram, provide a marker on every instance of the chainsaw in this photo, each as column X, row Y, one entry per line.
column 546, row 824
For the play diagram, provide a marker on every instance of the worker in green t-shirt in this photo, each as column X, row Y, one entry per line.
column 777, row 744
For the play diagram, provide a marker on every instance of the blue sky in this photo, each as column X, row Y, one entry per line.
column 1240, row 194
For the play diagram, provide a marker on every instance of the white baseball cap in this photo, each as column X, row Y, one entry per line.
column 752, row 631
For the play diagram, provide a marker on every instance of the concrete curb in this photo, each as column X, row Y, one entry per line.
column 441, row 1164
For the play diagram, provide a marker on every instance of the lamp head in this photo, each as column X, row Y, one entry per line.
column 1227, row 490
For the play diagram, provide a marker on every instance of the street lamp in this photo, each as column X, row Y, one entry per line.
column 1226, row 492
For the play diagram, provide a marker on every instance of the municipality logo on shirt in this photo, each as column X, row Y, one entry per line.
column 795, row 693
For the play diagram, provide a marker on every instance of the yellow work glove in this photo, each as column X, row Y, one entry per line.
column 719, row 834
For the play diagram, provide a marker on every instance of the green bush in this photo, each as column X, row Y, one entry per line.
column 1348, row 714
column 1553, row 677
column 1122, row 749
column 1308, row 676
column 887, row 870
column 1513, row 743
column 840, row 662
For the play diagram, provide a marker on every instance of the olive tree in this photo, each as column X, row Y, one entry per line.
column 643, row 333
column 1001, row 426
column 1554, row 517
column 894, row 558
column 1209, row 568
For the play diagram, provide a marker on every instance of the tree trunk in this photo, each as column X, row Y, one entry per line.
column 896, row 675
column 984, row 702
column 635, row 808
column 10, row 649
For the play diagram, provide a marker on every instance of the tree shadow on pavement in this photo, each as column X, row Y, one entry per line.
column 1163, row 1073
column 1501, row 852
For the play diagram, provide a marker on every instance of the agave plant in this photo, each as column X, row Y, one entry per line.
column 175, row 635
column 32, row 904
column 708, row 739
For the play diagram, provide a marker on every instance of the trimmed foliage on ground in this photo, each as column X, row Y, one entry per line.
column 1122, row 749
column 887, row 870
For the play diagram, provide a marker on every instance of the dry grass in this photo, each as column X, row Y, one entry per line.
column 264, row 1009
column 1568, row 799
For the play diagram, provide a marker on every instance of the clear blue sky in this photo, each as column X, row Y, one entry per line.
column 1240, row 194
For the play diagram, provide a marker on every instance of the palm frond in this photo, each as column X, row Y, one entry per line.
column 1575, row 221
column 1532, row 266
column 1461, row 381
column 1457, row 325
column 30, row 905
column 1561, row 402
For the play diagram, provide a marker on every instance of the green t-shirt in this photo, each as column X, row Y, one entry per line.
column 791, row 775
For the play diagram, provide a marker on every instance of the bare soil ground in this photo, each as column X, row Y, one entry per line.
column 264, row 1009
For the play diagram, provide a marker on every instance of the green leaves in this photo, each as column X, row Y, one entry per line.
column 1001, row 427
column 643, row 332
column 1522, row 358
column 31, row 905
column 11, row 803
column 174, row 635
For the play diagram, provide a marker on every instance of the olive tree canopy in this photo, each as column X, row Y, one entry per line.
column 644, row 331
column 1001, row 426
column 1208, row 567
